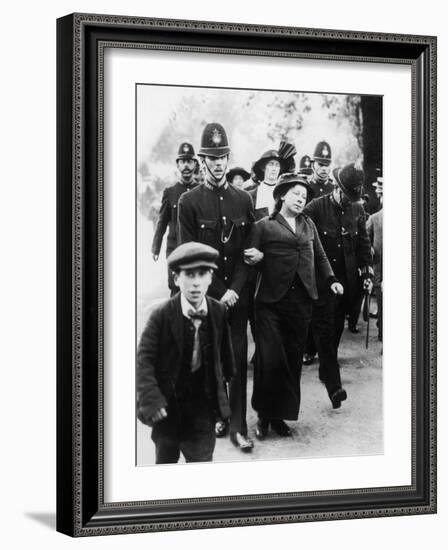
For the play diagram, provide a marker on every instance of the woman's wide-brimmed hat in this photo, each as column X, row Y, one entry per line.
column 237, row 171
column 288, row 180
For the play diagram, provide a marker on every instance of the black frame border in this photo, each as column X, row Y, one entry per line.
column 81, row 40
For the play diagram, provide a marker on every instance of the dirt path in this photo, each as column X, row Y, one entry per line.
column 354, row 429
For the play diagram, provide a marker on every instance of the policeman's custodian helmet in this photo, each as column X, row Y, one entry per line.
column 305, row 166
column 186, row 151
column 322, row 153
column 214, row 141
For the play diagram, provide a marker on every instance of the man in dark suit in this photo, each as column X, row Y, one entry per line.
column 184, row 359
column 221, row 215
column 340, row 221
column 187, row 165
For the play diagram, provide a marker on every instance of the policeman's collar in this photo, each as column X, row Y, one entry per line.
column 214, row 187
column 185, row 184
column 269, row 184
column 339, row 205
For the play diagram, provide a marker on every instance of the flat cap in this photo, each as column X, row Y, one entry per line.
column 191, row 255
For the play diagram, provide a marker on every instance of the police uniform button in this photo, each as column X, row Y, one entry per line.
column 225, row 278
column 334, row 259
column 339, row 246
column 202, row 226
column 222, row 198
column 242, row 223
column 174, row 205
column 343, row 212
column 225, row 258
column 356, row 232
column 325, row 232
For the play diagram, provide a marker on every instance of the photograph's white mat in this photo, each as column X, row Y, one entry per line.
column 123, row 481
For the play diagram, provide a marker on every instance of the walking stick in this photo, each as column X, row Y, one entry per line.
column 366, row 315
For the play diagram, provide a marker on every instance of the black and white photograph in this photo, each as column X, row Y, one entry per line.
column 259, row 279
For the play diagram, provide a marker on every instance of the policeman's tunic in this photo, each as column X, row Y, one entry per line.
column 220, row 217
column 168, row 217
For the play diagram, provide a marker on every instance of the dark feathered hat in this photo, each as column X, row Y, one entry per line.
column 284, row 154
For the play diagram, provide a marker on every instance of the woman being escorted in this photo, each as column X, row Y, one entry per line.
column 289, row 255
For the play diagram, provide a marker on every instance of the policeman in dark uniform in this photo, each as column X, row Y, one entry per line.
column 320, row 180
column 305, row 167
column 220, row 215
column 321, row 184
column 340, row 221
column 187, row 165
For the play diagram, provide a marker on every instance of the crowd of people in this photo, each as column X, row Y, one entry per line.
column 287, row 249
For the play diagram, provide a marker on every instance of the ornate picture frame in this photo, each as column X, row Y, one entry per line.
column 81, row 506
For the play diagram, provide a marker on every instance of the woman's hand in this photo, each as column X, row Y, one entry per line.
column 252, row 256
column 337, row 288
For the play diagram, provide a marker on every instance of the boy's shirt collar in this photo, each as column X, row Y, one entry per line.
column 186, row 306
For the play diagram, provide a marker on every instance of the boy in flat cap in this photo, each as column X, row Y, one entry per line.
column 187, row 166
column 184, row 360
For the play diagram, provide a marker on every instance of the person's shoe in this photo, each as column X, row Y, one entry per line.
column 261, row 431
column 308, row 358
column 221, row 428
column 281, row 428
column 337, row 397
column 242, row 442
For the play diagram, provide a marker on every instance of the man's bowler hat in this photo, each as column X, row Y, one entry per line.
column 350, row 178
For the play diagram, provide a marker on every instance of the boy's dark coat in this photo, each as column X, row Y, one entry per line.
column 159, row 357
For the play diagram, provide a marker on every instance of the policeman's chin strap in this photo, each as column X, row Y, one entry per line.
column 223, row 179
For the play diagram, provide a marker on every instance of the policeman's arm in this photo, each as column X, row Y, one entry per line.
column 241, row 269
column 321, row 263
column 149, row 396
column 310, row 210
column 162, row 224
column 186, row 221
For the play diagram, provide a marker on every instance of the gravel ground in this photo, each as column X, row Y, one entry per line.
column 321, row 431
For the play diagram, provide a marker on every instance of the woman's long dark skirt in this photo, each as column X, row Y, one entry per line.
column 282, row 329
